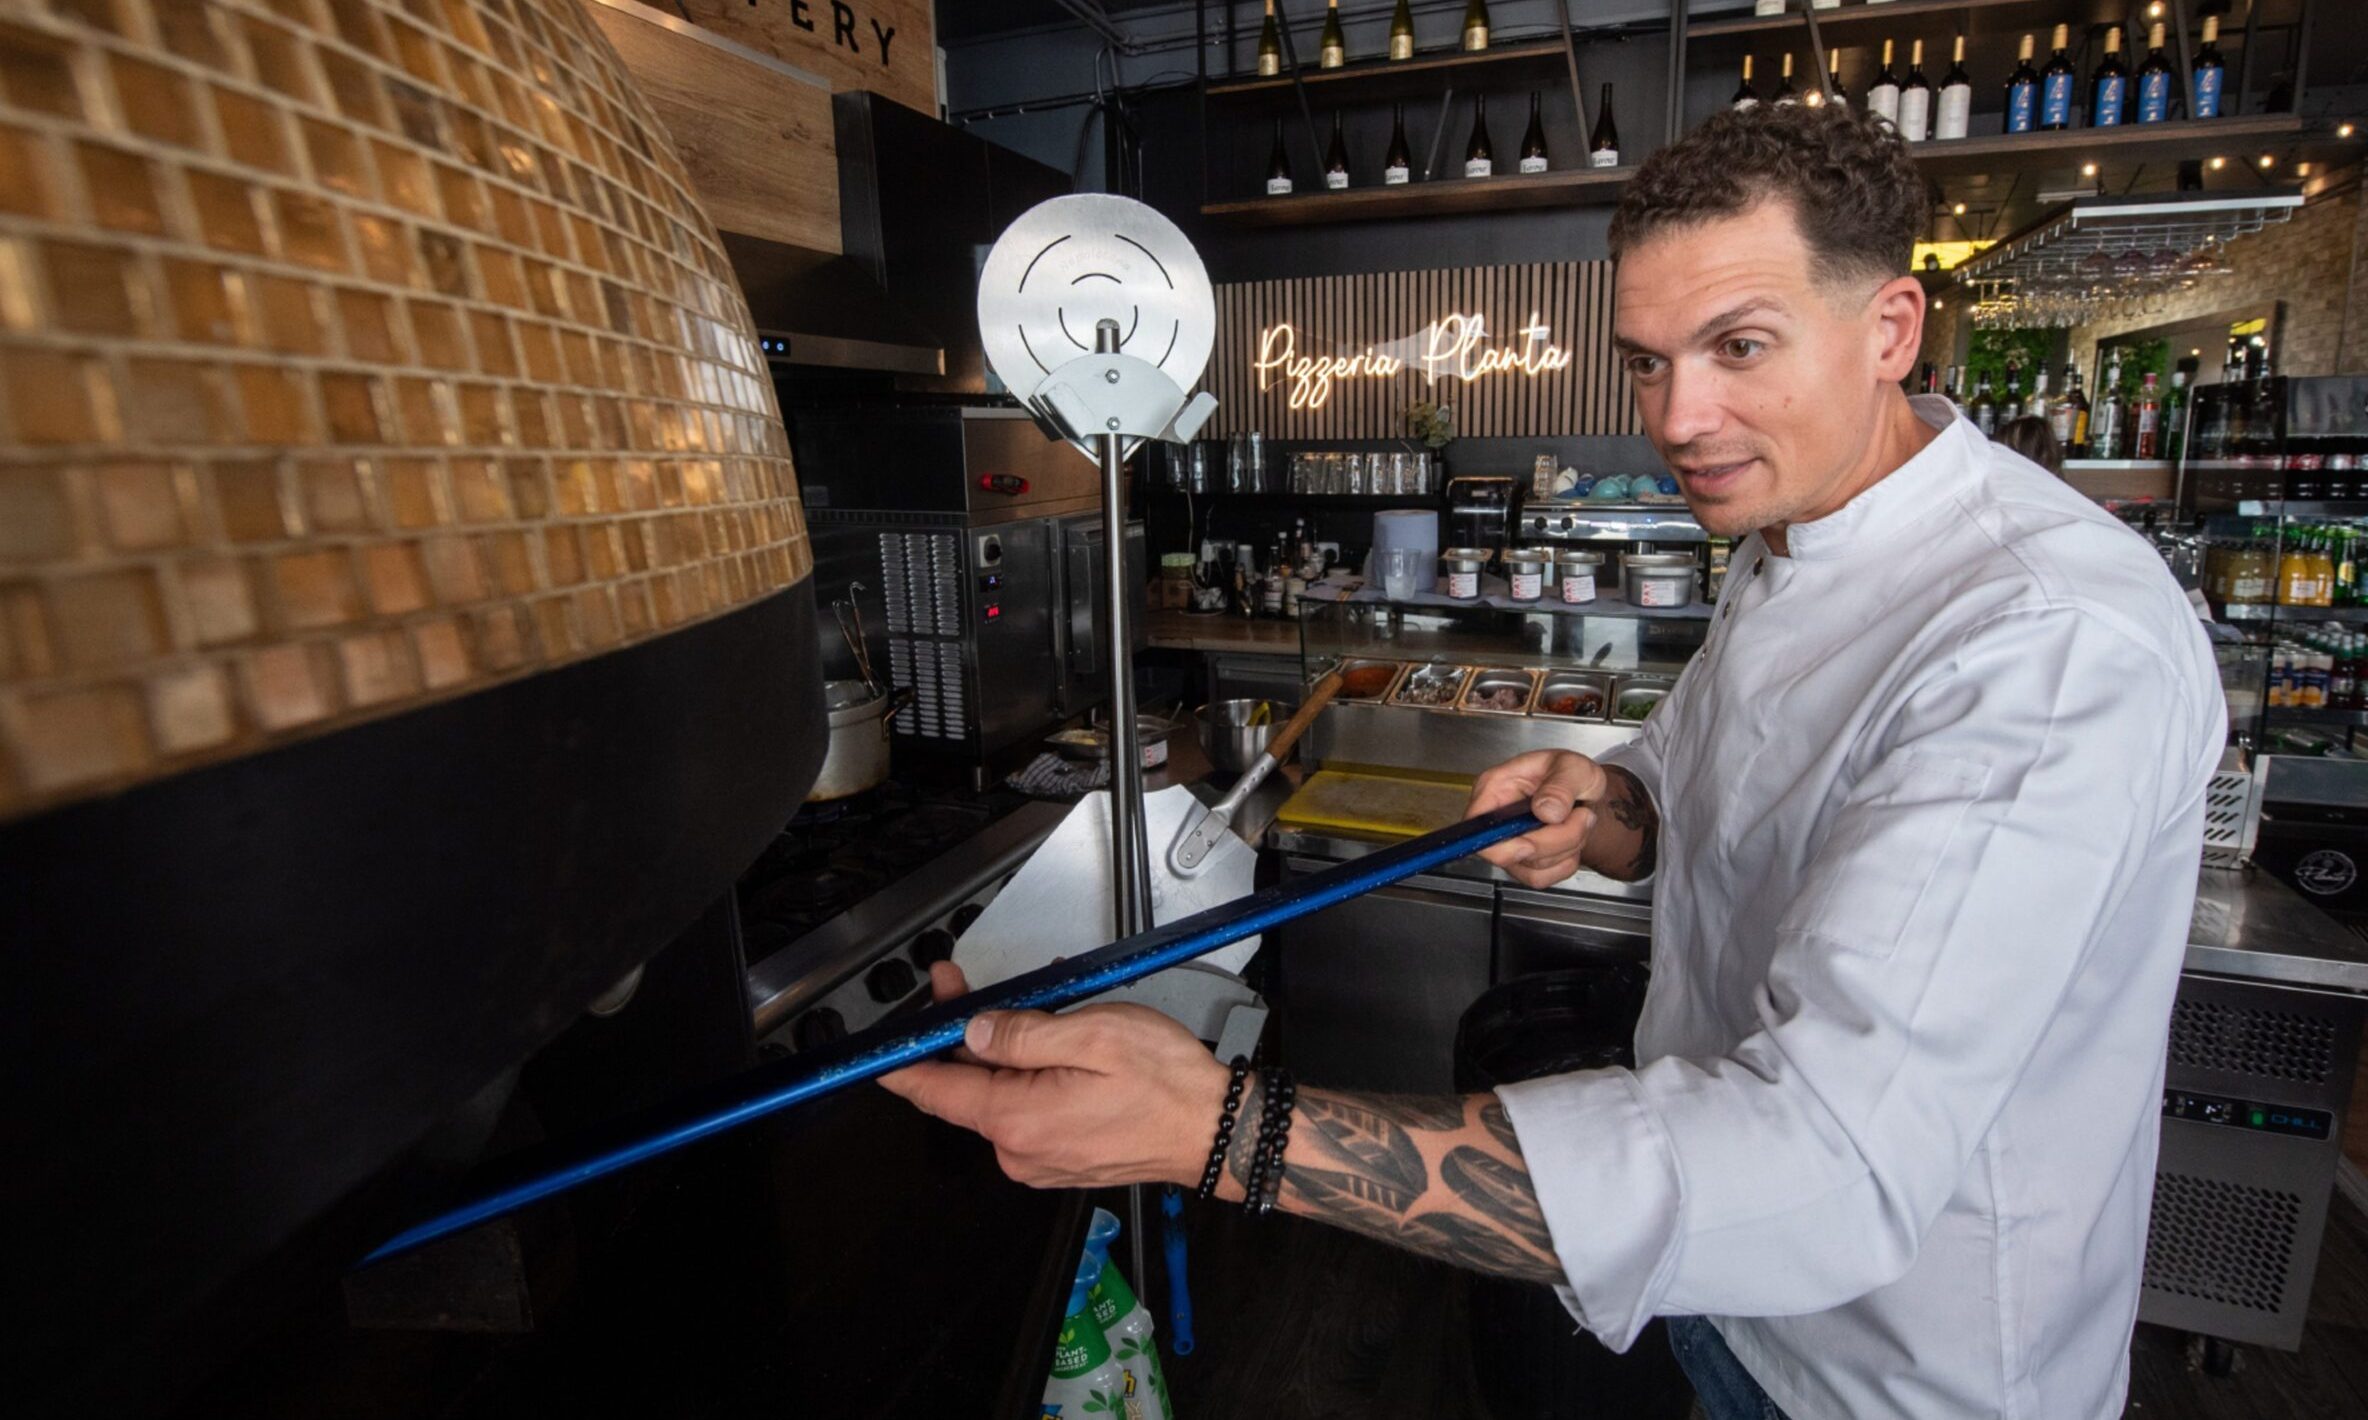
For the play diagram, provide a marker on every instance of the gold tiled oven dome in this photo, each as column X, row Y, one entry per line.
column 353, row 354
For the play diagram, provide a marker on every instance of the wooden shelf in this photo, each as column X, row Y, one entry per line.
column 1971, row 16
column 2118, row 148
column 1368, row 71
column 2289, row 615
column 1571, row 187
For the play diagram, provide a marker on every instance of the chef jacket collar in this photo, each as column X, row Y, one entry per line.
column 1905, row 496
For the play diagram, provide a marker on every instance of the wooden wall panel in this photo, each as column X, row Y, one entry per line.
column 759, row 145
column 885, row 45
column 1395, row 313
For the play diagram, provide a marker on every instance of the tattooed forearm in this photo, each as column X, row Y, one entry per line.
column 1362, row 1162
column 1632, row 808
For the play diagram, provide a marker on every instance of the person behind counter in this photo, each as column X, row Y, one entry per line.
column 1922, row 817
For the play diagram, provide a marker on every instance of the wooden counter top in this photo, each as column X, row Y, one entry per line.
column 1182, row 631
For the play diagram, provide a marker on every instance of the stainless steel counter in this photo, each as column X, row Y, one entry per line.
column 2249, row 924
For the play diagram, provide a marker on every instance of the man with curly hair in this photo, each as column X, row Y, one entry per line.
column 1923, row 819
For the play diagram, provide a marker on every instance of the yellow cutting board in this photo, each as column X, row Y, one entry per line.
column 1387, row 804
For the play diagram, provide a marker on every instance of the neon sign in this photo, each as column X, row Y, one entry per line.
column 1455, row 346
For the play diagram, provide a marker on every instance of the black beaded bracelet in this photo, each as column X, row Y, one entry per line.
column 1269, row 1080
column 1274, row 1136
column 1225, row 1121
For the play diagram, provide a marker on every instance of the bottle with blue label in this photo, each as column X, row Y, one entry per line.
column 2211, row 71
column 2022, row 93
column 1086, row 1380
column 2154, row 80
column 2055, row 84
column 2108, row 87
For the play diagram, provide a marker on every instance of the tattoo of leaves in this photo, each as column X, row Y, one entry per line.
column 1500, row 1127
column 1633, row 807
column 1419, row 1111
column 1468, row 1243
column 1366, row 1145
column 1499, row 1192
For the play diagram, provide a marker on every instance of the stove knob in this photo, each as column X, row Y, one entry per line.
column 1568, row 523
column 818, row 1028
column 964, row 915
column 890, row 981
column 934, row 945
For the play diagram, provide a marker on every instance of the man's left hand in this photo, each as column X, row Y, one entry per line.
column 1100, row 1096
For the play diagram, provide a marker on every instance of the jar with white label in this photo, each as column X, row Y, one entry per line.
column 1575, row 571
column 1525, row 573
column 1460, row 569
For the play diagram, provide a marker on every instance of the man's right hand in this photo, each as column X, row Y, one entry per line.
column 1558, row 785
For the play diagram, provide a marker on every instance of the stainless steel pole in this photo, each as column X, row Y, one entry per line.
column 1130, row 853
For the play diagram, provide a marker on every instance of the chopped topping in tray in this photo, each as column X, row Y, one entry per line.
column 1504, row 697
column 1429, row 688
column 1583, row 704
column 1365, row 682
column 1635, row 706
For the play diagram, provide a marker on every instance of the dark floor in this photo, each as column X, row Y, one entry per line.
column 1298, row 1321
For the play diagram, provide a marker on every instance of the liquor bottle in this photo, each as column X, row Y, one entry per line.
column 2011, row 408
column 1882, row 95
column 1929, row 382
column 1745, row 95
column 2065, row 417
column 1270, row 45
column 1398, row 166
column 2154, row 80
column 2108, row 87
column 1402, row 32
column 1479, row 157
column 1915, row 99
column 2146, row 427
column 2107, row 432
column 1983, row 407
column 1955, row 112
column 2022, row 93
column 1603, row 146
column 1533, row 139
column 1949, row 387
column 2174, row 417
column 1336, row 159
column 1785, row 92
column 2055, row 84
column 2037, row 406
column 1278, row 166
column 2210, row 71
column 1332, row 46
column 1475, row 24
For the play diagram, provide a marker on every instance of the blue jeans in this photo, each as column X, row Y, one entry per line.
column 1726, row 1390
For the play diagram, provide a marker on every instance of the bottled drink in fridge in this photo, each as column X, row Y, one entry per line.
column 1278, row 165
column 2154, row 80
column 2108, row 87
column 1336, row 159
column 1603, row 146
column 2211, row 71
column 1332, row 46
column 1745, row 95
column 1915, row 99
column 1270, row 45
column 1954, row 113
column 1402, row 31
column 1086, row 1379
column 1533, row 139
column 1398, row 166
column 1882, row 94
column 2055, row 84
column 1479, row 157
column 2022, row 93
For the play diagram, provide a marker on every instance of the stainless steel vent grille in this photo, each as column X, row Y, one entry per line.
column 2221, row 1242
column 921, row 580
column 2279, row 1045
column 932, row 671
column 2230, row 819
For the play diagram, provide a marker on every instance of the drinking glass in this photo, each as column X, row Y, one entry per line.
column 1401, row 570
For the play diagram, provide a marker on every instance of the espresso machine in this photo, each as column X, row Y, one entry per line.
column 1480, row 510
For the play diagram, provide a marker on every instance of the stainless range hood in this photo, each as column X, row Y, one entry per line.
column 814, row 308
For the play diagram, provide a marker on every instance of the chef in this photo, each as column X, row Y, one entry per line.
column 1922, row 822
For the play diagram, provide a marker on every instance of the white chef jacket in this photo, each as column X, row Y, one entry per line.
column 1931, row 803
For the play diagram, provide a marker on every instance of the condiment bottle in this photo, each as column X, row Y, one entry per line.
column 1085, row 1379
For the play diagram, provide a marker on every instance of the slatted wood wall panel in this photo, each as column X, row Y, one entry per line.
column 1393, row 311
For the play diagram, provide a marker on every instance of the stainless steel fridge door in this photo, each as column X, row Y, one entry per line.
column 1085, row 638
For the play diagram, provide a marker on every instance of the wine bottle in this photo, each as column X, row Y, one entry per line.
column 2055, row 84
column 1479, row 158
column 1332, row 47
column 2210, row 71
column 2108, row 87
column 1533, row 139
column 1270, row 45
column 1475, row 24
column 1402, row 32
column 1745, row 95
column 1785, row 92
column 1834, row 93
column 1336, row 159
column 2154, row 80
column 1915, row 98
column 1603, row 146
column 1882, row 95
column 1954, row 112
column 2022, row 93
column 1398, row 166
column 1278, row 166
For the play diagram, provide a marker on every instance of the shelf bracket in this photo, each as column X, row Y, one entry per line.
column 1315, row 144
column 1570, row 57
